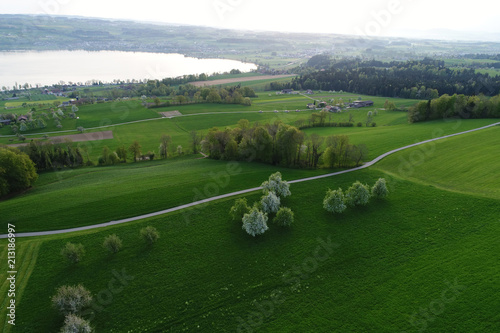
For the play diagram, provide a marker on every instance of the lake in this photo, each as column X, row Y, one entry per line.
column 51, row 67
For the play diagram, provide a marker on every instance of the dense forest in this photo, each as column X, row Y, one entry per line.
column 425, row 79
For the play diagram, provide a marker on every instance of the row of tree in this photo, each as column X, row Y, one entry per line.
column 456, row 106
column 281, row 144
column 425, row 79
column 50, row 156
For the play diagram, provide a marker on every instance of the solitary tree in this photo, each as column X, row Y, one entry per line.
column 275, row 184
column 334, row 201
column 239, row 209
column 255, row 222
column 270, row 203
column 135, row 149
column 71, row 299
column 358, row 194
column 284, row 217
column 73, row 252
column 113, row 243
column 149, row 234
column 379, row 190
column 121, row 152
column 164, row 144
column 75, row 324
column 195, row 140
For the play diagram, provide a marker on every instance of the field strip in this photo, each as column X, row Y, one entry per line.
column 142, row 121
column 192, row 204
column 83, row 137
column 26, row 255
column 238, row 80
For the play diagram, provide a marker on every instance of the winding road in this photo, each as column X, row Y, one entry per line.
column 193, row 204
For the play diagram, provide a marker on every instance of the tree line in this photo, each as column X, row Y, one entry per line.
column 182, row 94
column 455, row 106
column 425, row 79
column 281, row 144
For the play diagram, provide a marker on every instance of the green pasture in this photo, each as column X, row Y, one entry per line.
column 385, row 265
column 468, row 163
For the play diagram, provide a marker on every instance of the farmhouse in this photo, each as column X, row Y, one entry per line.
column 22, row 118
column 311, row 106
column 334, row 109
column 361, row 104
column 287, row 91
column 5, row 122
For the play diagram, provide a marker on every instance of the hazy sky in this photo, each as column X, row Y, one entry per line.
column 369, row 17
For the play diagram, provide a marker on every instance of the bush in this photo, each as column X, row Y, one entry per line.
column 284, row 217
column 379, row 190
column 71, row 299
column 255, row 222
column 270, row 203
column 73, row 252
column 239, row 209
column 275, row 184
column 149, row 234
column 75, row 324
column 113, row 243
column 334, row 201
column 360, row 124
column 357, row 195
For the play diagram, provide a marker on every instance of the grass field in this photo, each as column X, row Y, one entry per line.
column 424, row 259
column 387, row 264
column 458, row 164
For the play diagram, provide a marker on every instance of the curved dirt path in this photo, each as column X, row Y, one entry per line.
column 192, row 204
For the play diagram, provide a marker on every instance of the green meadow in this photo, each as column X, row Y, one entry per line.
column 423, row 259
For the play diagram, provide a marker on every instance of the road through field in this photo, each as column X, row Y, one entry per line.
column 192, row 204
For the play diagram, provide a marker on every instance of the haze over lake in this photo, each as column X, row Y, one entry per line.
column 51, row 67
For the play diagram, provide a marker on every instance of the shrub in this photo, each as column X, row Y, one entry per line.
column 374, row 124
column 379, row 190
column 360, row 124
column 71, row 299
column 275, row 184
column 334, row 201
column 255, row 222
column 75, row 324
column 357, row 195
column 149, row 234
column 270, row 203
column 284, row 217
column 73, row 252
column 113, row 243
column 239, row 209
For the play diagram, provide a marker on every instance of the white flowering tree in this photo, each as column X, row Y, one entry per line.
column 357, row 195
column 334, row 201
column 71, row 299
column 73, row 324
column 275, row 184
column 270, row 203
column 255, row 222
column 379, row 190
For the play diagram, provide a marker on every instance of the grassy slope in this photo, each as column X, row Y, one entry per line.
column 393, row 258
column 458, row 163
column 95, row 195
